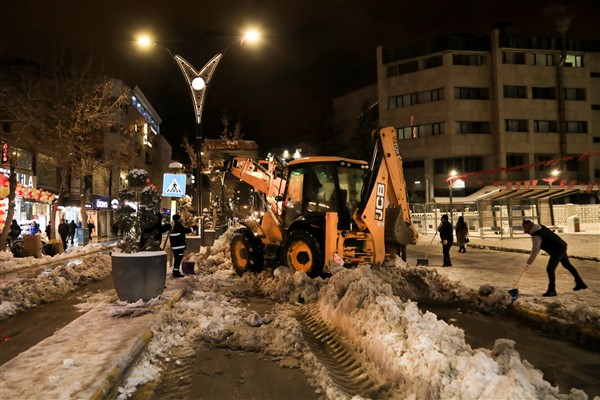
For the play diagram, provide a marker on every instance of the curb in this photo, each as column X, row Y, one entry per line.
column 510, row 250
column 583, row 334
column 109, row 387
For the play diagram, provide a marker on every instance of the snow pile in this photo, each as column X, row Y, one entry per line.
column 427, row 357
column 417, row 354
column 8, row 263
column 52, row 284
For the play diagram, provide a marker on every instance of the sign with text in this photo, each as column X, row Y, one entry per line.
column 173, row 185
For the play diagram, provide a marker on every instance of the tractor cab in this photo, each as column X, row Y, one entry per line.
column 318, row 185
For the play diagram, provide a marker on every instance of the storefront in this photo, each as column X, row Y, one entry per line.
column 32, row 206
column 100, row 213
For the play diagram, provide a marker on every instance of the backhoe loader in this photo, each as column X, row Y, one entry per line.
column 325, row 208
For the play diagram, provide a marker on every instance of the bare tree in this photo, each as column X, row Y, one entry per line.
column 68, row 108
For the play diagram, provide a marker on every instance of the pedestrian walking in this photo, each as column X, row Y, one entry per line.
column 72, row 230
column 178, row 244
column 91, row 228
column 447, row 237
column 462, row 234
column 544, row 239
column 63, row 232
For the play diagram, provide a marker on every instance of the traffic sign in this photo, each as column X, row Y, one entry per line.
column 173, row 185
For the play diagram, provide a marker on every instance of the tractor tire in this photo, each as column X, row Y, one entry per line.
column 246, row 252
column 302, row 252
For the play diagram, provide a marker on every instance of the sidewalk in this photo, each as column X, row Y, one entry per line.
column 65, row 366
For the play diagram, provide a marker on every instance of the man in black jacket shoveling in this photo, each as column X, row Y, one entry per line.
column 543, row 238
column 178, row 245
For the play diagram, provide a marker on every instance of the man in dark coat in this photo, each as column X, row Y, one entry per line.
column 72, row 230
column 544, row 239
column 15, row 230
column 178, row 245
column 154, row 232
column 447, row 237
column 63, row 231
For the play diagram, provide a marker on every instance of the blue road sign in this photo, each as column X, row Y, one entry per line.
column 173, row 185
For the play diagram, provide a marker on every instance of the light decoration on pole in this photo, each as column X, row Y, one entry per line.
column 198, row 83
column 452, row 175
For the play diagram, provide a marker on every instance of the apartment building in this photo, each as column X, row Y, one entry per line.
column 473, row 104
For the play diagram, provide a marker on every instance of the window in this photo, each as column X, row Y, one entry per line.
column 22, row 159
column 513, row 58
column 462, row 93
column 574, row 61
column 544, row 126
column 472, row 127
column 577, row 127
column 402, row 69
column 416, row 98
column 413, row 164
column 596, row 139
column 462, row 164
column 594, row 74
column 515, row 92
column 516, row 125
column 543, row 59
column 595, row 107
column 432, row 62
column 47, row 171
column 513, row 160
column 574, row 94
column 411, row 132
column 544, row 93
column 468, row 59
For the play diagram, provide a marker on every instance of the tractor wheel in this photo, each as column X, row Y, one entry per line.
column 302, row 252
column 246, row 252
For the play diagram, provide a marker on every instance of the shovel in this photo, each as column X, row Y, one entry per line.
column 424, row 262
column 514, row 293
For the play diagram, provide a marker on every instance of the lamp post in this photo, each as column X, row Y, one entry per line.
column 452, row 175
column 198, row 82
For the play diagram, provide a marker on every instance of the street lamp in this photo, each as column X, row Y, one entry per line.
column 452, row 175
column 554, row 174
column 198, row 82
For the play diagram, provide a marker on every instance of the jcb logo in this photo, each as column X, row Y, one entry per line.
column 379, row 201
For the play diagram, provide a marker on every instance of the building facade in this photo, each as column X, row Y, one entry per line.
column 473, row 104
column 39, row 178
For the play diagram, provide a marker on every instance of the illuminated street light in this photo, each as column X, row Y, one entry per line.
column 555, row 173
column 198, row 82
column 452, row 174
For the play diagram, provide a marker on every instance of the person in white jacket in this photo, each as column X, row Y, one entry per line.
column 544, row 239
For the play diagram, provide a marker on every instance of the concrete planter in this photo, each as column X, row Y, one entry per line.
column 139, row 275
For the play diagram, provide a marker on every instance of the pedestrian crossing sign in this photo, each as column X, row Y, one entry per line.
column 173, row 185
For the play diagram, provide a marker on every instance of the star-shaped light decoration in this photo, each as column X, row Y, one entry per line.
column 198, row 80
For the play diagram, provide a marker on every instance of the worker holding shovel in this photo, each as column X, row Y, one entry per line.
column 543, row 238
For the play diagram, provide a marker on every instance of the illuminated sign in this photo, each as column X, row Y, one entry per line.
column 173, row 185
column 100, row 202
column 4, row 153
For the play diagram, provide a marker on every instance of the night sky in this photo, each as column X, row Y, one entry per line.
column 281, row 90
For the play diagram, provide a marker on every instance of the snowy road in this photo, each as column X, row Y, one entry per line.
column 414, row 353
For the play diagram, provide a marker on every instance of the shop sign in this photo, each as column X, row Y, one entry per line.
column 25, row 180
column 114, row 204
column 100, row 202
column 88, row 206
column 4, row 153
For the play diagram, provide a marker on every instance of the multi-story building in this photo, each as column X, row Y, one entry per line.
column 473, row 104
column 37, row 169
